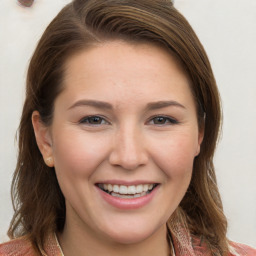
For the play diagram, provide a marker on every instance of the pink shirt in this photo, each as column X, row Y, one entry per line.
column 183, row 244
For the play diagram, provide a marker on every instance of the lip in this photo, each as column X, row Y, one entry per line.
column 125, row 203
column 126, row 183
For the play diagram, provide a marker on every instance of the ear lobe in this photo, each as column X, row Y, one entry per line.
column 43, row 138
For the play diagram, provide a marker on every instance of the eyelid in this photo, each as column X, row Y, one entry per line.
column 82, row 120
column 171, row 120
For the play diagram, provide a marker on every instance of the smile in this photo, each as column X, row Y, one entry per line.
column 127, row 192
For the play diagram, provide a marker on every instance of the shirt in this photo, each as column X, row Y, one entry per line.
column 184, row 245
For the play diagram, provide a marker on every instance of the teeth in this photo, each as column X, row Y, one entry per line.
column 128, row 196
column 146, row 187
column 131, row 190
column 109, row 187
column 116, row 188
column 127, row 190
column 123, row 190
column 139, row 188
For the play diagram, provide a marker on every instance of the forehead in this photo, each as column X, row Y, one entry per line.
column 124, row 53
column 125, row 71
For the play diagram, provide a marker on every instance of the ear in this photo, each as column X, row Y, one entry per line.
column 43, row 138
column 200, row 139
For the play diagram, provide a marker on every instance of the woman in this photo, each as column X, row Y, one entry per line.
column 117, row 159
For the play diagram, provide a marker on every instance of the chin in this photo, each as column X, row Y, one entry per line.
column 131, row 233
column 129, row 238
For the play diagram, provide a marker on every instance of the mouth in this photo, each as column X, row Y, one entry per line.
column 127, row 192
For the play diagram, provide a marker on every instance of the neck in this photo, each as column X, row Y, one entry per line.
column 84, row 242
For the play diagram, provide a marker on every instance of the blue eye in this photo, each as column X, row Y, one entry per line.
column 163, row 120
column 93, row 120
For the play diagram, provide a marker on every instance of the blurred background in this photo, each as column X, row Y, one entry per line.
column 227, row 29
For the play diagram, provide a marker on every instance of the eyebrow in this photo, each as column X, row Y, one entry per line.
column 92, row 103
column 106, row 105
column 163, row 104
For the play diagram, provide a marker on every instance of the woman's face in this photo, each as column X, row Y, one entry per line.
column 123, row 139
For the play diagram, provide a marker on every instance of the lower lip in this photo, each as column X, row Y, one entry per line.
column 128, row 203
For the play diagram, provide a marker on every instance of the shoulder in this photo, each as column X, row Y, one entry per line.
column 237, row 249
column 23, row 247
column 17, row 247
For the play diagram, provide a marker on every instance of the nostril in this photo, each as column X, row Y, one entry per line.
column 127, row 150
column 26, row 3
column 127, row 161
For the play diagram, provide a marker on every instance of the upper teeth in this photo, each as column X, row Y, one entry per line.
column 122, row 189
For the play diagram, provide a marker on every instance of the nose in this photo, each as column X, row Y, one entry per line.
column 128, row 151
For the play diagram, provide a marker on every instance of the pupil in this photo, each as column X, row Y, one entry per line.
column 95, row 120
column 160, row 120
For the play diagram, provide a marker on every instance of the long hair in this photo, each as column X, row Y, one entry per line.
column 38, row 201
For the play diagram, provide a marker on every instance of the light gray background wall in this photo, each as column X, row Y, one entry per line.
column 227, row 29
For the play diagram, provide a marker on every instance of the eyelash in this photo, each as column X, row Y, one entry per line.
column 86, row 120
column 167, row 120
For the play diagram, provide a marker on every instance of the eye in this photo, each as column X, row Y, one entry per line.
column 163, row 120
column 93, row 120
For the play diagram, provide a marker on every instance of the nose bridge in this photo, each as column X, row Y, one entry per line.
column 128, row 147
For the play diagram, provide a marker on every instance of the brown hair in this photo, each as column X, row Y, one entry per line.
column 38, row 201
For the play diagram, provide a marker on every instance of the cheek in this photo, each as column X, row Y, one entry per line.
column 77, row 154
column 175, row 156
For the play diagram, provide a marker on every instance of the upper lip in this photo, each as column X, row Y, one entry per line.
column 125, row 182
